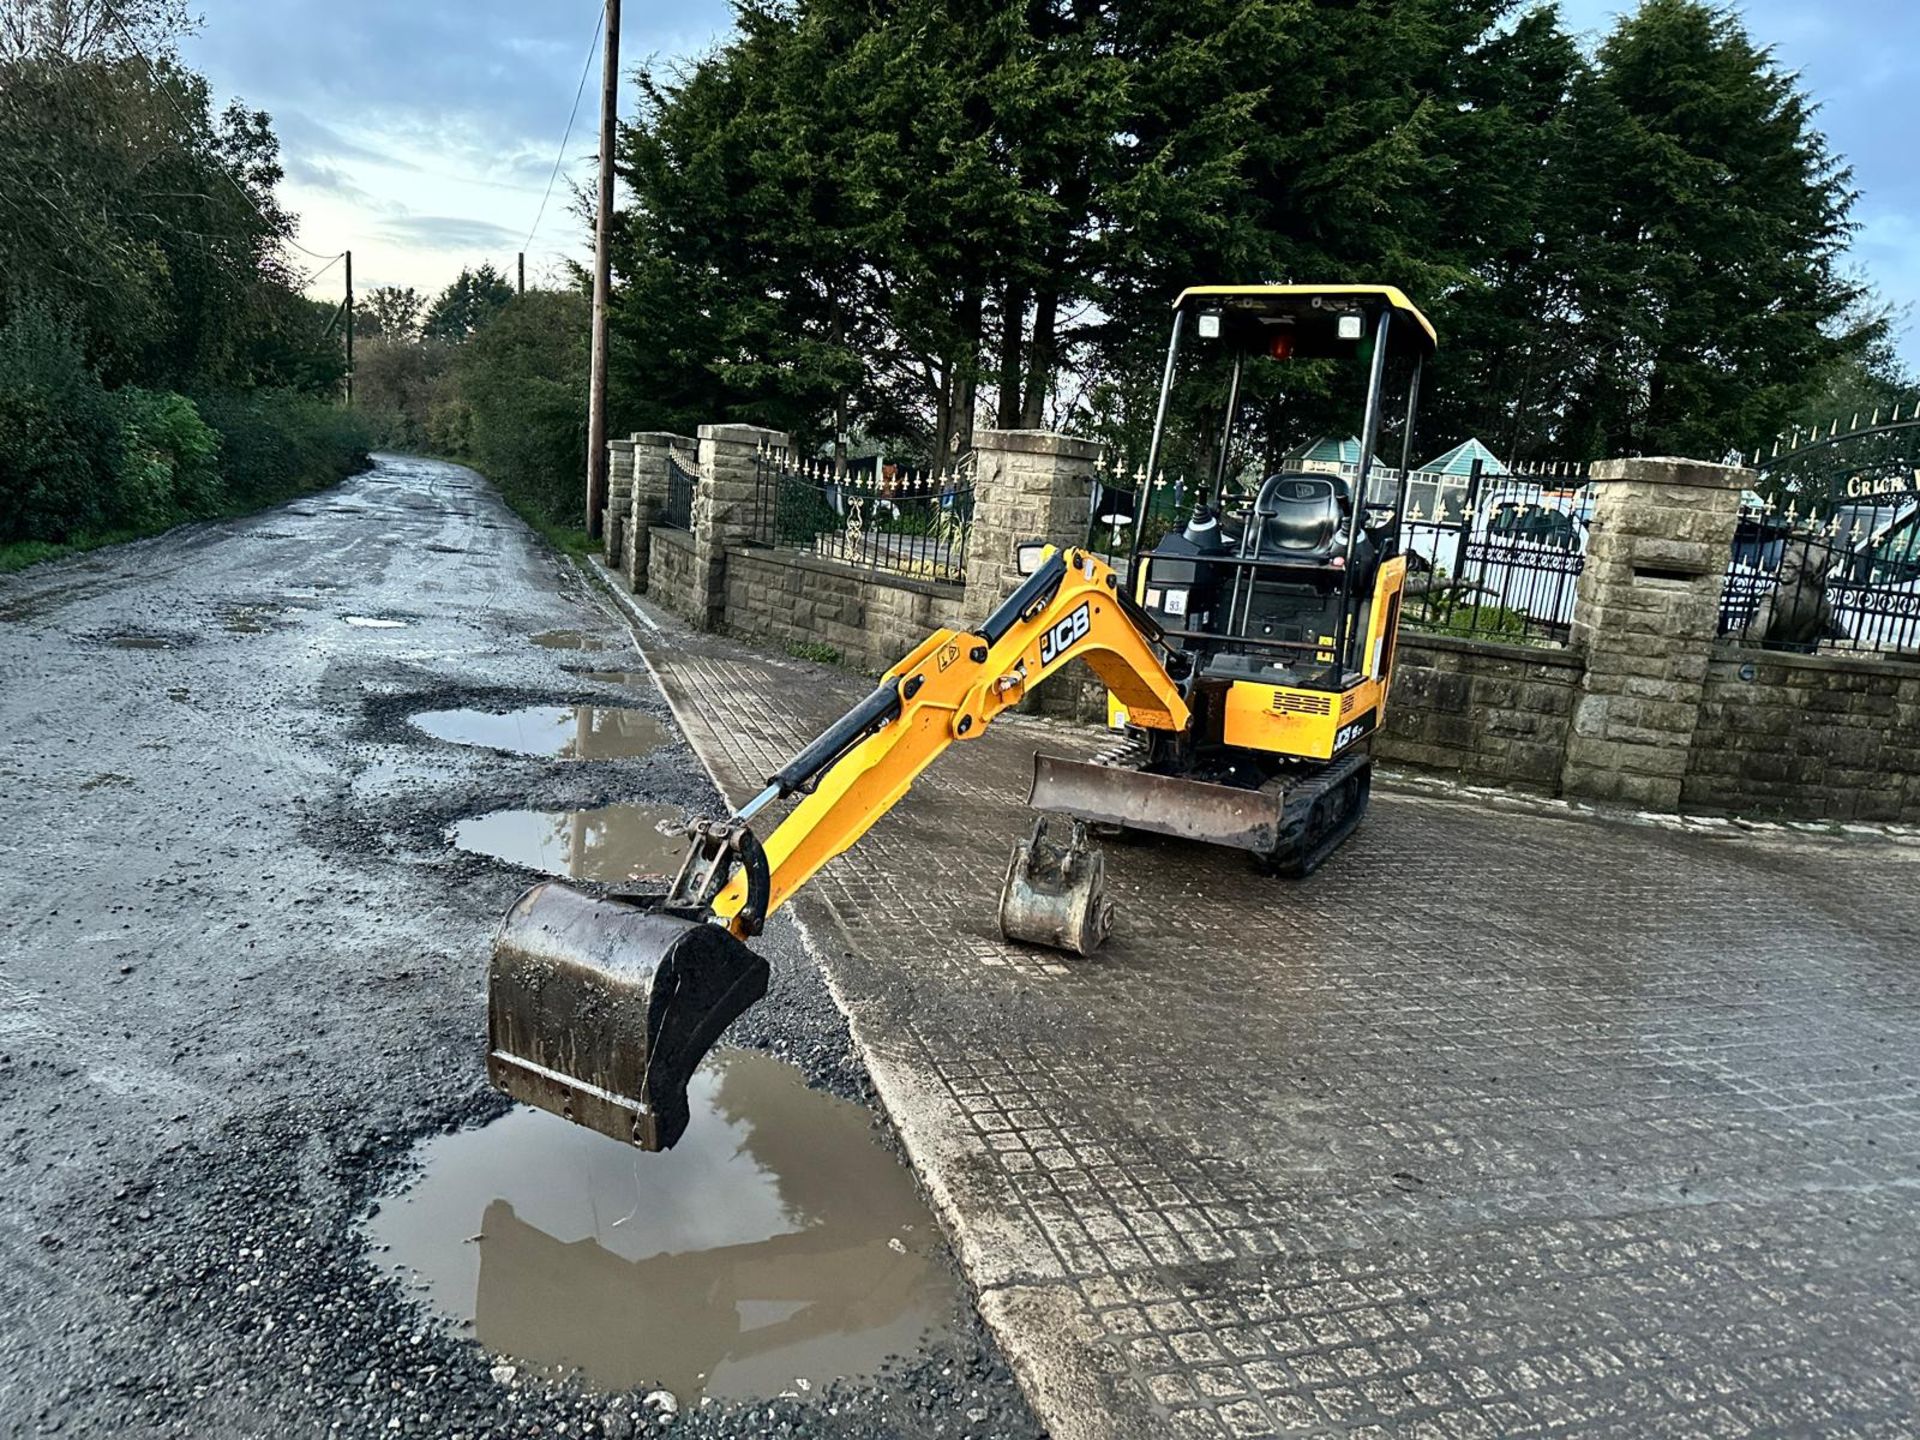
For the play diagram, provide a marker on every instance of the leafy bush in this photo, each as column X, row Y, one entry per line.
column 170, row 460
column 59, row 436
column 276, row 443
column 519, row 407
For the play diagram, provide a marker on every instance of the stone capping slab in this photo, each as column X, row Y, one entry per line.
column 1038, row 442
column 939, row 590
column 672, row 535
column 1492, row 650
column 1865, row 662
column 745, row 435
column 1671, row 470
column 664, row 437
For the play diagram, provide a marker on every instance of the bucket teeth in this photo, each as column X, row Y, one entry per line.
column 601, row 1010
column 1056, row 889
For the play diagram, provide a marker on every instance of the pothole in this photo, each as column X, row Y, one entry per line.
column 777, row 1247
column 247, row 619
column 137, row 640
column 578, row 640
column 557, row 732
column 610, row 844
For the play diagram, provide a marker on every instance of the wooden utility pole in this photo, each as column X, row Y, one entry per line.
column 349, row 327
column 602, row 276
column 520, row 286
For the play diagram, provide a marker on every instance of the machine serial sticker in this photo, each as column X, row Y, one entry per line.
column 1065, row 634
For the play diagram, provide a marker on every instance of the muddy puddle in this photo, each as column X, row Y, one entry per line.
column 373, row 622
column 578, row 640
column 776, row 1244
column 553, row 732
column 609, row 845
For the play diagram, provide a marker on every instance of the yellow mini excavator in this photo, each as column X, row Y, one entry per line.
column 1247, row 657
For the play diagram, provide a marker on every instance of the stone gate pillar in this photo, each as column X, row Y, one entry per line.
column 1646, row 616
column 1027, row 485
column 651, row 449
column 724, row 508
column 1030, row 485
column 613, row 519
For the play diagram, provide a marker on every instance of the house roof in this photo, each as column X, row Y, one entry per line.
column 1459, row 461
column 1327, row 451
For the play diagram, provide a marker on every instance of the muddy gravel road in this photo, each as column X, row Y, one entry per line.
column 267, row 785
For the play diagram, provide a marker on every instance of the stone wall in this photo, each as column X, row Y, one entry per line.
column 1641, row 709
column 1818, row 737
column 869, row 620
column 1492, row 714
column 672, row 565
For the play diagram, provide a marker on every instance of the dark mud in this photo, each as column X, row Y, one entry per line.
column 241, row 980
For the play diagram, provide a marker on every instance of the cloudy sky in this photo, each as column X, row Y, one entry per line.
column 422, row 133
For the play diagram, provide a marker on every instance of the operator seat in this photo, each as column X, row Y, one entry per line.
column 1301, row 516
column 1300, row 519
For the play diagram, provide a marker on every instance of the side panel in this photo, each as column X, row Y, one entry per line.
column 1280, row 720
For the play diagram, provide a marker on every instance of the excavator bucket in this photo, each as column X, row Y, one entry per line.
column 600, row 1010
column 1056, row 890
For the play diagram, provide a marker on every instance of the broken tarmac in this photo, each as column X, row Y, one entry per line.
column 241, row 992
column 1509, row 1121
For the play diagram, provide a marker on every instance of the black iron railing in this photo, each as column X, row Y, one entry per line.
column 677, row 513
column 881, row 517
column 1501, row 560
column 1826, row 554
column 1849, row 583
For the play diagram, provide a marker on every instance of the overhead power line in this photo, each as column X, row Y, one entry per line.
column 559, row 159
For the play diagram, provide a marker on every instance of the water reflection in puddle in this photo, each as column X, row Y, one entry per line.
column 777, row 1241
column 373, row 622
column 578, row 640
column 610, row 844
column 561, row 732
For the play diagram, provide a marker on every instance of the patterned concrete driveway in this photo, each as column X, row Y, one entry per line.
column 1506, row 1123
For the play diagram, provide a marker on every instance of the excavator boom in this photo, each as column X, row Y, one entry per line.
column 950, row 688
column 600, row 1009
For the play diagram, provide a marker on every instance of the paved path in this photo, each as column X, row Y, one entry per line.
column 1503, row 1124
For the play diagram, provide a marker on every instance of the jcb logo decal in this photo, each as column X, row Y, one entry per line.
column 1065, row 635
column 1347, row 734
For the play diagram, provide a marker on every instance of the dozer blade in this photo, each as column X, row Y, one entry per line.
column 1164, row 804
column 1056, row 892
column 600, row 1010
